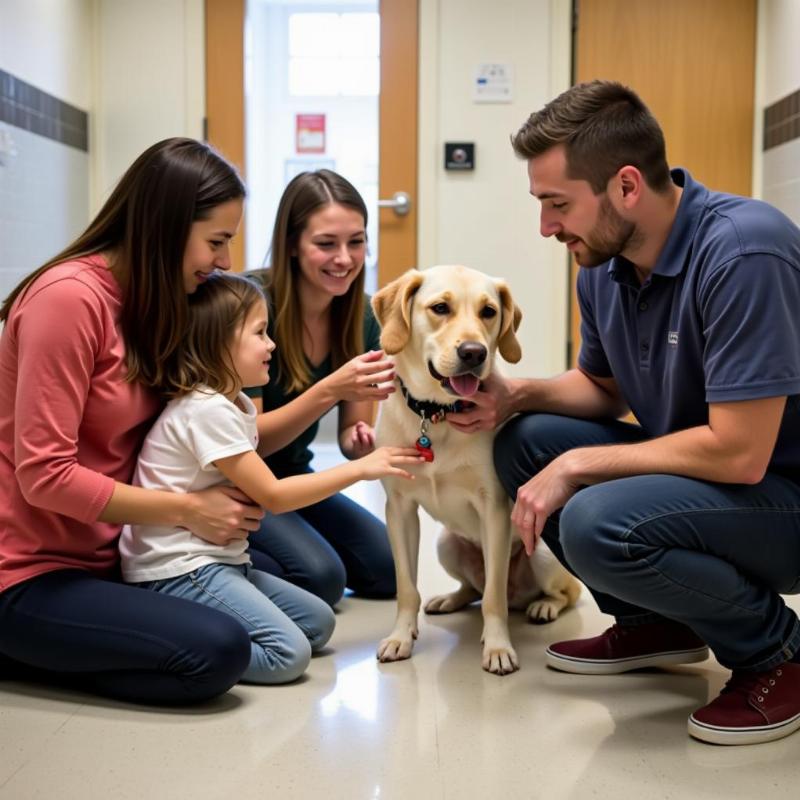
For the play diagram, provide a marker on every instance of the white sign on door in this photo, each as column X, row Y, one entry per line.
column 494, row 83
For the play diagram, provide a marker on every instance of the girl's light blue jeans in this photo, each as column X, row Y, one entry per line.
column 714, row 556
column 286, row 623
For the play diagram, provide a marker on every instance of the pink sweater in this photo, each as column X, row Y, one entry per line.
column 70, row 425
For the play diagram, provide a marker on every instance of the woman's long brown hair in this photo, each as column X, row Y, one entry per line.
column 146, row 224
column 306, row 194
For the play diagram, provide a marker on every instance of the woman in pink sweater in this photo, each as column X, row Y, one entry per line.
column 86, row 342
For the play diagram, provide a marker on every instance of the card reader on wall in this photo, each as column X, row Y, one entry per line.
column 459, row 156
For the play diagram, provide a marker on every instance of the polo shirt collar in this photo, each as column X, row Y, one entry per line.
column 674, row 254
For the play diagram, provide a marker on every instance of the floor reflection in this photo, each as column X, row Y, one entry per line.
column 356, row 690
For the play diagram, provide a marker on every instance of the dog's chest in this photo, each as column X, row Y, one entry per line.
column 451, row 500
column 459, row 486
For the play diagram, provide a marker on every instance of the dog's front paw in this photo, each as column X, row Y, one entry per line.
column 544, row 609
column 499, row 659
column 396, row 647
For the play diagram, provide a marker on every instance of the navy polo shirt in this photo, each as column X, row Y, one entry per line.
column 718, row 320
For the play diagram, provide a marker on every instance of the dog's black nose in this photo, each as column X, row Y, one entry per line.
column 472, row 353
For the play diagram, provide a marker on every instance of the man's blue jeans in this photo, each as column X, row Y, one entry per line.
column 714, row 556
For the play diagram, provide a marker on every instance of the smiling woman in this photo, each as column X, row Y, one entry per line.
column 208, row 248
column 88, row 341
column 331, row 252
column 322, row 324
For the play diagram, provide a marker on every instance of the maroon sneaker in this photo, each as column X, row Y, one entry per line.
column 625, row 647
column 753, row 707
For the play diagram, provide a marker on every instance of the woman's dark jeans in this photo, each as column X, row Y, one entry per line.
column 326, row 547
column 71, row 628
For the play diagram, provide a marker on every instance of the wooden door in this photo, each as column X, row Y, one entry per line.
column 693, row 64
column 225, row 128
column 397, row 160
column 225, row 92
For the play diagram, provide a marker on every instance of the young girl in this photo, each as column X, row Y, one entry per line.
column 328, row 354
column 208, row 434
column 87, row 340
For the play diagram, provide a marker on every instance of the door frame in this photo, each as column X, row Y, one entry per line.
column 224, row 125
column 398, row 117
column 398, row 132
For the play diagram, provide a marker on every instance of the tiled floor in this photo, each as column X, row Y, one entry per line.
column 436, row 726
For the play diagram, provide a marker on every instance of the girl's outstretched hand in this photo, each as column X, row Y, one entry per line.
column 389, row 461
column 366, row 377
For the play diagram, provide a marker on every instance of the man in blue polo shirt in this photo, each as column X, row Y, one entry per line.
column 685, row 526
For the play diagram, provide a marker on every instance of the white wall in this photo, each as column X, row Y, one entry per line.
column 48, row 43
column 44, row 184
column 781, row 54
column 149, row 81
column 486, row 219
column 776, row 173
column 137, row 67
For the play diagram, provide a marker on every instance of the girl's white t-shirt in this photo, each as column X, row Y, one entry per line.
column 178, row 455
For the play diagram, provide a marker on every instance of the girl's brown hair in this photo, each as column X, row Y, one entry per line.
column 306, row 194
column 217, row 311
column 146, row 223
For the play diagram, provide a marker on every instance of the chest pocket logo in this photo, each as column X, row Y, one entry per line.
column 672, row 338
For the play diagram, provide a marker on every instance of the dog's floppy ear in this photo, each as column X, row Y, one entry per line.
column 392, row 307
column 507, row 341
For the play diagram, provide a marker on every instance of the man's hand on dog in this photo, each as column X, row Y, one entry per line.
column 537, row 499
column 488, row 407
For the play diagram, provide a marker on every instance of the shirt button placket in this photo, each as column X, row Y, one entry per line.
column 644, row 335
column 644, row 353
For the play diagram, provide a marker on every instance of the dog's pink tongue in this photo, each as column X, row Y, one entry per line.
column 465, row 385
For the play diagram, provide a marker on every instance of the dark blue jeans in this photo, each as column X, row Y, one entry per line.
column 326, row 547
column 71, row 628
column 714, row 556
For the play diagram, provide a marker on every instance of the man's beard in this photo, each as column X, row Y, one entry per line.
column 609, row 238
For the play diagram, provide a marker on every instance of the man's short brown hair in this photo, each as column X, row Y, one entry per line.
column 604, row 126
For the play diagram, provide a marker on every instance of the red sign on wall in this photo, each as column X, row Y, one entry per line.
column 310, row 133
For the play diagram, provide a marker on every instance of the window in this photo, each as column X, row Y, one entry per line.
column 334, row 54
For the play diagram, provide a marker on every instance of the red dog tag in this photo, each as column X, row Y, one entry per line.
column 423, row 445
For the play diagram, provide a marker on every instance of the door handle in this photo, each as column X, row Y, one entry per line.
column 400, row 203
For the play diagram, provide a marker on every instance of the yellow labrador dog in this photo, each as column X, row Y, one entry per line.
column 444, row 326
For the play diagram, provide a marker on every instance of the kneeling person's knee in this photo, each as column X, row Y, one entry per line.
column 586, row 538
column 327, row 581
column 324, row 622
column 279, row 658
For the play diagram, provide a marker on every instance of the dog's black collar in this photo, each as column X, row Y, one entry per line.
column 427, row 409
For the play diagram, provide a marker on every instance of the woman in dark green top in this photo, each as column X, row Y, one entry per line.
column 328, row 353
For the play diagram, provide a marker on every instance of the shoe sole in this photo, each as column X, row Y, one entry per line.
column 714, row 734
column 589, row 666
